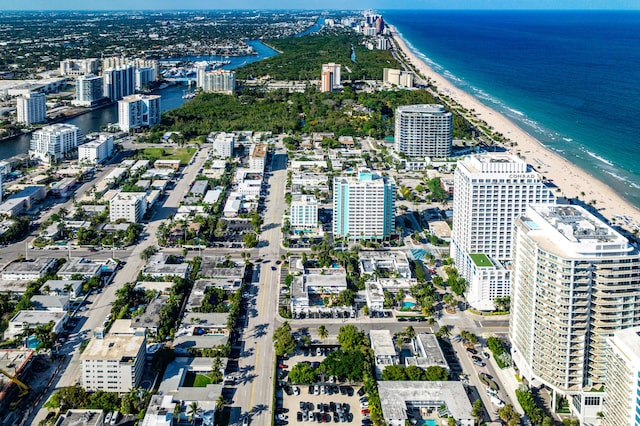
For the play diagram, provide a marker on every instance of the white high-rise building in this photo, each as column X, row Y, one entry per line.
column 330, row 78
column 575, row 282
column 120, row 61
column 52, row 143
column 258, row 157
column 96, row 151
column 144, row 76
column 89, row 90
column 223, row 144
column 114, row 363
column 363, row 206
column 424, row 130
column 490, row 192
column 622, row 403
column 219, row 81
column 304, row 211
column 31, row 108
column 78, row 67
column 138, row 111
column 119, row 82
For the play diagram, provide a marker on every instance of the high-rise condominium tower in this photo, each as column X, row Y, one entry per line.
column 424, row 131
column 575, row 283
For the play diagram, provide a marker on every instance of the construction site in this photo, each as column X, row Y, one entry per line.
column 15, row 365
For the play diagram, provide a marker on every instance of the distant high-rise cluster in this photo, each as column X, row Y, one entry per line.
column 423, row 131
column 31, row 108
column 137, row 111
column 330, row 79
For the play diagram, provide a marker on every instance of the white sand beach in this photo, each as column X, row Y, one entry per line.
column 572, row 180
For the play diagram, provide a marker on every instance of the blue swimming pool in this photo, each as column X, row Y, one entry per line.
column 408, row 305
column 430, row 422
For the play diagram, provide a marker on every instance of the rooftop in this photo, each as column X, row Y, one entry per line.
column 113, row 348
column 481, row 260
column 81, row 418
column 29, row 266
column 395, row 396
column 37, row 317
column 627, row 343
column 382, row 343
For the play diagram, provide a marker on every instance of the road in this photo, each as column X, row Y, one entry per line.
column 99, row 305
column 254, row 394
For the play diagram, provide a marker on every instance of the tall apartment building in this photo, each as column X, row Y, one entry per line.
column 96, row 151
column 119, row 82
column 113, row 364
column 76, row 67
column 330, row 77
column 130, row 206
column 223, row 144
column 622, row 402
column 363, row 206
column 137, row 111
column 576, row 281
column 491, row 192
column 400, row 78
column 424, row 130
column 89, row 90
column 220, row 81
column 304, row 211
column 31, row 108
column 52, row 143
column 144, row 76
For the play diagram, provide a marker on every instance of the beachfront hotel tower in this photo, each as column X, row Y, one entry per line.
column 622, row 403
column 137, row 111
column 424, row 131
column 363, row 206
column 490, row 191
column 330, row 78
column 575, row 282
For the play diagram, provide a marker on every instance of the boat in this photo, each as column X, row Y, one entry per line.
column 189, row 95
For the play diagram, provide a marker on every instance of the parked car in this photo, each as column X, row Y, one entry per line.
column 473, row 351
column 283, row 366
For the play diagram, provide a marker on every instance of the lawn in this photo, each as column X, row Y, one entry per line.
column 195, row 380
column 182, row 154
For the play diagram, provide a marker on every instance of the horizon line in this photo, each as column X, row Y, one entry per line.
column 333, row 9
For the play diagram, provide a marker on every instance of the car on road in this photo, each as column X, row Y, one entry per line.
column 365, row 411
column 282, row 417
column 245, row 421
column 485, row 354
column 273, row 268
column 479, row 363
column 472, row 351
column 283, row 366
column 476, row 358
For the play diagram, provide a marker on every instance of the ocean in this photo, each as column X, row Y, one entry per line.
column 569, row 78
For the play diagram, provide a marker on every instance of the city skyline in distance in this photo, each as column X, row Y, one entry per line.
column 35, row 5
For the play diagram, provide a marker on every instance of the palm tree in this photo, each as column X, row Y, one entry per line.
column 323, row 333
column 193, row 410
column 409, row 332
column 220, row 403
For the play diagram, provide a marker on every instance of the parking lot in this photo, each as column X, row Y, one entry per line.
column 321, row 402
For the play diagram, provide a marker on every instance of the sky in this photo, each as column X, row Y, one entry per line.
column 315, row 4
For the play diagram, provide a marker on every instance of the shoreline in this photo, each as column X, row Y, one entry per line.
column 573, row 182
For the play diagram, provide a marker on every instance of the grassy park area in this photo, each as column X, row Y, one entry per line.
column 182, row 154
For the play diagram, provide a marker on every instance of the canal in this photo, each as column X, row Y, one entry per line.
column 171, row 98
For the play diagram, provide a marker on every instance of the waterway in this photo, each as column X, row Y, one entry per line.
column 171, row 98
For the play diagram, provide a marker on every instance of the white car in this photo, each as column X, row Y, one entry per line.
column 282, row 417
column 316, row 390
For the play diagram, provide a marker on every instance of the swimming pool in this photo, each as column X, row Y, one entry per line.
column 430, row 422
column 408, row 305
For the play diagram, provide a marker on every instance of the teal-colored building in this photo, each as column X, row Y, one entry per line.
column 363, row 206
